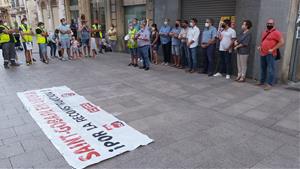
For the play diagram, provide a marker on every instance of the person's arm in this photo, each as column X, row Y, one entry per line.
column 279, row 44
column 156, row 38
column 195, row 37
column 214, row 37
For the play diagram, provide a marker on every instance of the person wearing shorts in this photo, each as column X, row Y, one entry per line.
column 176, row 43
column 65, row 39
column 132, row 45
column 85, row 38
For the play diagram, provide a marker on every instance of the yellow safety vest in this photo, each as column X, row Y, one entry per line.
column 4, row 37
column 94, row 27
column 26, row 38
column 41, row 39
column 132, row 43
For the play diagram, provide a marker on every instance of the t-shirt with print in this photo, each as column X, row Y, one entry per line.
column 226, row 39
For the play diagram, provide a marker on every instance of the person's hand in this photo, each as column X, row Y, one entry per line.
column 236, row 48
column 258, row 48
column 204, row 45
column 236, row 43
column 271, row 51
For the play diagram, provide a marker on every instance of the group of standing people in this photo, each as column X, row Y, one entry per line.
column 180, row 45
column 68, row 41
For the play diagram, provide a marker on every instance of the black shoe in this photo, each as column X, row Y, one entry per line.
column 146, row 69
column 142, row 67
column 33, row 60
column 130, row 64
column 135, row 65
column 210, row 74
column 14, row 64
column 6, row 66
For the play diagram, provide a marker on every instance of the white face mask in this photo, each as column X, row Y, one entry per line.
column 166, row 23
column 207, row 25
column 191, row 24
column 5, row 24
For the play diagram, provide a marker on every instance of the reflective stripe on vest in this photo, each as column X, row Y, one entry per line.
column 41, row 39
column 26, row 38
column 94, row 27
column 4, row 37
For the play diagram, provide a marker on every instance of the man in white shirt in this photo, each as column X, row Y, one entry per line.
column 227, row 38
column 192, row 44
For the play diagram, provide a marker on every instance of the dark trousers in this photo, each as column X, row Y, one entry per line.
column 53, row 48
column 184, row 54
column 9, row 52
column 225, row 63
column 267, row 69
column 208, row 54
column 167, row 52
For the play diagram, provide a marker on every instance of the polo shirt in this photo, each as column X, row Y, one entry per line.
column 270, row 42
column 165, row 38
column 226, row 39
column 209, row 33
column 145, row 34
column 176, row 41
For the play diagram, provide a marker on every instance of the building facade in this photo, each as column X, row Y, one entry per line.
column 120, row 12
column 5, row 9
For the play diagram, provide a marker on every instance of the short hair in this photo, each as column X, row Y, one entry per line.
column 195, row 20
column 185, row 21
column 178, row 20
column 23, row 19
column 62, row 19
column 40, row 23
column 227, row 22
column 248, row 24
column 211, row 20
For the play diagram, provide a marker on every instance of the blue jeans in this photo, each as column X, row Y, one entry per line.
column 53, row 49
column 267, row 65
column 208, row 54
column 184, row 54
column 143, row 53
column 225, row 64
column 192, row 58
column 43, row 50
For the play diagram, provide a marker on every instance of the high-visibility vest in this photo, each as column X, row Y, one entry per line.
column 95, row 27
column 41, row 39
column 4, row 37
column 26, row 38
column 132, row 43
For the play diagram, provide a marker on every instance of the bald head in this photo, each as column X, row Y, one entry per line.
column 271, row 21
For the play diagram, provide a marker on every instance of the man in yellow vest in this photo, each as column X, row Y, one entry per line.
column 41, row 35
column 97, row 32
column 7, row 42
column 27, row 40
column 132, row 45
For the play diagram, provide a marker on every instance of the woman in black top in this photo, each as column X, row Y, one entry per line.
column 154, row 43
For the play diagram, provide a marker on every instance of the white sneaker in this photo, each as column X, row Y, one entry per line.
column 163, row 63
column 227, row 76
column 166, row 64
column 217, row 75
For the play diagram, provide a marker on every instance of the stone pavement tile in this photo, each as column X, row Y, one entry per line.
column 5, row 164
column 29, row 159
column 7, row 133
column 237, row 109
column 160, row 159
column 262, row 144
column 59, row 163
column 289, row 124
column 26, row 128
column 187, row 147
column 260, row 166
column 17, row 138
column 12, row 123
column 36, row 143
column 256, row 114
column 10, row 150
column 277, row 161
column 51, row 152
column 289, row 151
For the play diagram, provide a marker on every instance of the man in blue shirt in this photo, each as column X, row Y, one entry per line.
column 165, row 40
column 176, row 43
column 65, row 37
column 208, row 44
column 144, row 43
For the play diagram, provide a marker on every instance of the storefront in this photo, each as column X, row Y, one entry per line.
column 98, row 10
column 134, row 10
column 74, row 11
column 203, row 9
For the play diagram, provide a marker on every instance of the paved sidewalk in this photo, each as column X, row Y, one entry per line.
column 196, row 121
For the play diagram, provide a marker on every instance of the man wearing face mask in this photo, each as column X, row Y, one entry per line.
column 65, row 38
column 41, row 36
column 208, row 44
column 165, row 40
column 272, row 40
column 227, row 38
column 7, row 42
column 176, row 43
column 192, row 44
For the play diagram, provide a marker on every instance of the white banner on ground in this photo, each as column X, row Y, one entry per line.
column 82, row 132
